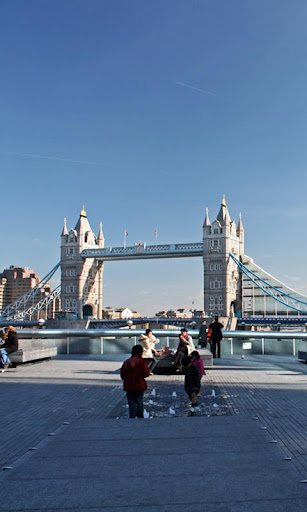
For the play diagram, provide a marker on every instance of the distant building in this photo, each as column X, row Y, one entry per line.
column 16, row 281
column 222, row 282
column 2, row 292
column 19, row 280
column 177, row 313
column 81, row 280
column 119, row 313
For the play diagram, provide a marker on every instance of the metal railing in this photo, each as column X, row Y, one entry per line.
column 260, row 339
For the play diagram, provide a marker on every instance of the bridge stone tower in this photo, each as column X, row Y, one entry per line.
column 81, row 279
column 222, row 283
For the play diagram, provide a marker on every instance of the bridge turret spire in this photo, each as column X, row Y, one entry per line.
column 207, row 220
column 223, row 215
column 83, row 224
column 100, row 238
column 240, row 224
column 240, row 235
column 65, row 230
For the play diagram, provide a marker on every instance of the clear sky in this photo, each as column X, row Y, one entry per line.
column 146, row 112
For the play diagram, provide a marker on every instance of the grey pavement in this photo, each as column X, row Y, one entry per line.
column 245, row 449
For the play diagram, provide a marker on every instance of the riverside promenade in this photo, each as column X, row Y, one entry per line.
column 67, row 445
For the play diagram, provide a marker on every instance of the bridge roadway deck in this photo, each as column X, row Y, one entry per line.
column 221, row 460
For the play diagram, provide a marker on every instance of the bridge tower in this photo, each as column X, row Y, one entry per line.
column 222, row 283
column 81, row 279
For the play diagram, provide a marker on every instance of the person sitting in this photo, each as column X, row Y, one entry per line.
column 148, row 341
column 10, row 345
column 184, row 349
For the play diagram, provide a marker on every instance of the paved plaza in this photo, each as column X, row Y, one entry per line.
column 68, row 446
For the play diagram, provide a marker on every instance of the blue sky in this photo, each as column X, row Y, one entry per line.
column 146, row 112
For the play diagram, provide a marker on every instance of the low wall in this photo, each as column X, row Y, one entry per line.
column 107, row 346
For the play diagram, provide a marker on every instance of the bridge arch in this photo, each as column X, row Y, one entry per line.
column 87, row 310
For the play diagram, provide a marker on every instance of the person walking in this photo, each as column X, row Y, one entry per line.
column 148, row 341
column 216, row 336
column 198, row 362
column 192, row 382
column 10, row 345
column 134, row 372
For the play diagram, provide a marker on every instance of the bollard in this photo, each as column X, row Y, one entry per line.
column 101, row 345
column 294, row 346
column 262, row 345
column 135, row 340
column 231, row 346
column 67, row 345
column 167, row 341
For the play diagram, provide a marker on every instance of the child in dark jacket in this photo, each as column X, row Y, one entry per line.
column 133, row 372
column 192, row 381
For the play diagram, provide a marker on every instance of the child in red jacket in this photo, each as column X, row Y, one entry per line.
column 133, row 373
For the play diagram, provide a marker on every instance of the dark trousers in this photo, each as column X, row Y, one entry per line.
column 151, row 363
column 216, row 344
column 135, row 402
column 180, row 357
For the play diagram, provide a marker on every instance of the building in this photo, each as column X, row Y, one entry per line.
column 81, row 280
column 2, row 292
column 119, row 313
column 81, row 277
column 16, row 282
column 222, row 280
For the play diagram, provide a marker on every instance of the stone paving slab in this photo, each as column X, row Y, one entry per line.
column 229, row 468
column 87, row 466
column 132, row 475
column 94, row 430
column 297, row 505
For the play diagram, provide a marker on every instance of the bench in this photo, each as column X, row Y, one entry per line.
column 32, row 354
column 165, row 366
column 302, row 355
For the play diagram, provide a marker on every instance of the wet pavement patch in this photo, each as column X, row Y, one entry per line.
column 164, row 401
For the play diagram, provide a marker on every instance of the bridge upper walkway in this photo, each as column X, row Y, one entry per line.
column 143, row 251
column 247, row 450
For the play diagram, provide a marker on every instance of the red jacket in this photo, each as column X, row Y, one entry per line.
column 133, row 373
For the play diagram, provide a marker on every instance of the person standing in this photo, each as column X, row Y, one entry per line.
column 134, row 372
column 202, row 335
column 216, row 336
column 10, row 345
column 148, row 341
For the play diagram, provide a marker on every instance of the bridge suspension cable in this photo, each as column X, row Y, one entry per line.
column 15, row 309
column 275, row 293
column 36, row 308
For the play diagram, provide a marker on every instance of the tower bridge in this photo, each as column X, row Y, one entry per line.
column 232, row 282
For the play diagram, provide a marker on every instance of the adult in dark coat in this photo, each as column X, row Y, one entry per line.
column 10, row 345
column 202, row 335
column 134, row 372
column 216, row 336
column 11, row 340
